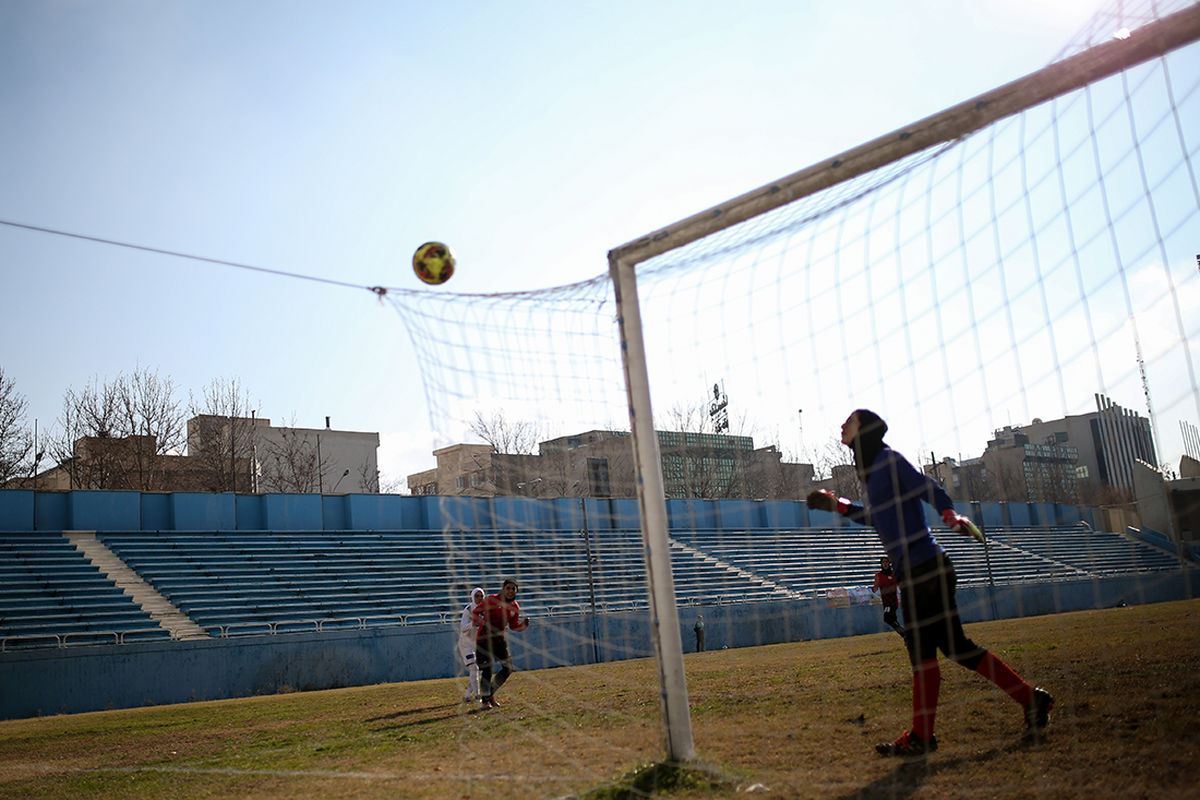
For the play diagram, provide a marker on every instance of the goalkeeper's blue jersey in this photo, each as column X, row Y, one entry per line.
column 895, row 491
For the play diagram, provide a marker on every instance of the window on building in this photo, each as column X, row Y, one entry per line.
column 458, row 482
column 597, row 470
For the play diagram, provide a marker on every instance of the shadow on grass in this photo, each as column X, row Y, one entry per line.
column 408, row 712
column 657, row 779
column 910, row 774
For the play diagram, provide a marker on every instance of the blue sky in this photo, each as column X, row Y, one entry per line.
column 330, row 139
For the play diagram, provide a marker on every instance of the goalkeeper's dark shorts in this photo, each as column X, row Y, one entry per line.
column 931, row 614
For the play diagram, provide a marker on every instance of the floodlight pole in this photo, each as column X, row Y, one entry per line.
column 660, row 583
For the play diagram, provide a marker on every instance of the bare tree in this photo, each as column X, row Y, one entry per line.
column 1005, row 482
column 221, row 435
column 112, row 434
column 291, row 461
column 696, row 418
column 150, row 413
column 16, row 445
column 699, row 462
column 1093, row 492
column 519, row 437
column 390, row 485
column 368, row 478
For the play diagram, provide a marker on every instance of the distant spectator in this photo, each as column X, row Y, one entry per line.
column 699, row 629
column 886, row 587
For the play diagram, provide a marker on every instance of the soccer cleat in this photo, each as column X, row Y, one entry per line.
column 495, row 703
column 487, row 703
column 909, row 745
column 1037, row 713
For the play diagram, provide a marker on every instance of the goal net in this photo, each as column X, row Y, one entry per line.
column 1013, row 285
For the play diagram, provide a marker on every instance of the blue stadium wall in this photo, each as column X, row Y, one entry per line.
column 90, row 678
column 26, row 510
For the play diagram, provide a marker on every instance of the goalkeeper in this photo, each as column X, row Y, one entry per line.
column 894, row 491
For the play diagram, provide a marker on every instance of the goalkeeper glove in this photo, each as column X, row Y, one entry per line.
column 960, row 524
column 825, row 500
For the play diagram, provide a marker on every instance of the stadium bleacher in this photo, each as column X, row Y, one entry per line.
column 50, row 595
column 254, row 582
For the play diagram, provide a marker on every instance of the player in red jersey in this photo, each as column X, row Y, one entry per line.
column 496, row 613
column 887, row 587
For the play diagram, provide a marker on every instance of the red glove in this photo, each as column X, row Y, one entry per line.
column 960, row 524
column 825, row 500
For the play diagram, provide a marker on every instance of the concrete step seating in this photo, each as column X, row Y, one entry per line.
column 232, row 582
column 50, row 595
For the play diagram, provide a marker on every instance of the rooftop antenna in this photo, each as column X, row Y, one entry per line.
column 718, row 409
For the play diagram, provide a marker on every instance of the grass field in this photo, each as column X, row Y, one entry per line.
column 794, row 720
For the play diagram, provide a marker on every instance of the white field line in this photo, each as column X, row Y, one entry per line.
column 9, row 769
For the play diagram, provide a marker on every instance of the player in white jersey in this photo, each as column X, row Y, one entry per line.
column 467, row 630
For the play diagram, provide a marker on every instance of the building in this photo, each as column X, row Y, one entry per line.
column 131, row 462
column 1013, row 468
column 285, row 459
column 224, row 454
column 599, row 463
column 1086, row 458
column 1109, row 442
column 1017, row 467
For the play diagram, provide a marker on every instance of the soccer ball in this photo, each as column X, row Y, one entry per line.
column 433, row 262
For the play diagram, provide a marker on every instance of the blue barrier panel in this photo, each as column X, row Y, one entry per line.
column 121, row 510
column 250, row 514
column 156, row 511
column 547, row 516
column 16, row 510
column 516, row 512
column 202, row 511
column 432, row 511
column 1068, row 515
column 593, row 513
column 566, row 514
column 104, row 511
column 691, row 515
column 467, row 513
column 991, row 515
column 612, row 513
column 292, row 512
column 1018, row 515
column 784, row 514
column 333, row 512
column 825, row 519
column 50, row 511
column 739, row 514
column 366, row 512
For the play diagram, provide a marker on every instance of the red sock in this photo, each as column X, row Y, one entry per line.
column 927, row 679
column 1003, row 676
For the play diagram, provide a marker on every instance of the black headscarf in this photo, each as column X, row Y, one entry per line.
column 868, row 443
